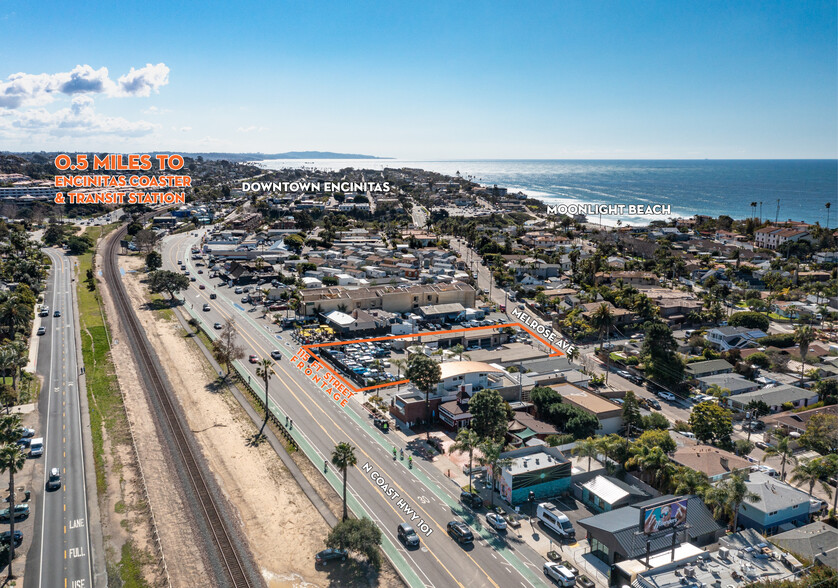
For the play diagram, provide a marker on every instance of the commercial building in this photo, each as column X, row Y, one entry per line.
column 609, row 413
column 544, row 471
column 390, row 298
column 604, row 493
column 618, row 535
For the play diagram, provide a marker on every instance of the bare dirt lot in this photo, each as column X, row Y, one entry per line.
column 283, row 528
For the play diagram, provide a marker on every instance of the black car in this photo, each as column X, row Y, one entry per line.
column 653, row 403
column 407, row 535
column 460, row 532
column 472, row 500
column 213, row 296
column 330, row 554
column 6, row 535
column 57, row 313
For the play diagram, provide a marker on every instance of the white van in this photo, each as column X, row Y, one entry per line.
column 36, row 447
column 556, row 520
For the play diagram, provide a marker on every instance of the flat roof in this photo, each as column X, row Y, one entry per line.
column 587, row 400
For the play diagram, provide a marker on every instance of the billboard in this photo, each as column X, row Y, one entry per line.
column 664, row 516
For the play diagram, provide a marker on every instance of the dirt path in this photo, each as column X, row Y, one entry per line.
column 283, row 528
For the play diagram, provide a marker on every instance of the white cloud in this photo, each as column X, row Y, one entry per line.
column 251, row 129
column 141, row 82
column 78, row 120
column 182, row 129
column 23, row 89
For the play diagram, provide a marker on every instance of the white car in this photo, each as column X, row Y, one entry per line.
column 666, row 395
column 496, row 521
column 560, row 574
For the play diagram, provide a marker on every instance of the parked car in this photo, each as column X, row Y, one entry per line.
column 460, row 532
column 330, row 554
column 36, row 447
column 21, row 511
column 496, row 521
column 26, row 432
column 6, row 535
column 407, row 535
column 652, row 403
column 559, row 574
column 666, row 395
column 472, row 500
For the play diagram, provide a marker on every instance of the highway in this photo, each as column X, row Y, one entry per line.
column 320, row 423
column 61, row 552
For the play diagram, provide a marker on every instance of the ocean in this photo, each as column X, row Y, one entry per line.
column 783, row 189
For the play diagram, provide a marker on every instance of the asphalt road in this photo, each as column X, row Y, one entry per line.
column 60, row 553
column 319, row 423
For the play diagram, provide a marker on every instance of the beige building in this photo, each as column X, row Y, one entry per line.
column 389, row 298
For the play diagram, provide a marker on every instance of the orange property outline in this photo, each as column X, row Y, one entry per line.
column 308, row 348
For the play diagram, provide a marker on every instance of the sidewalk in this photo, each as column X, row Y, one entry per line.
column 34, row 342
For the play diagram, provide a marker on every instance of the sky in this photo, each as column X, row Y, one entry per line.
column 432, row 80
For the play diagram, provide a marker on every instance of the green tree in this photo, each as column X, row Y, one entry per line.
column 659, row 354
column 424, row 373
column 652, row 462
column 343, row 458
column 602, row 320
column 543, row 397
column 782, row 450
column 466, row 442
column 803, row 336
column 225, row 349
column 153, row 261
column 263, row 370
column 711, row 423
column 631, row 414
column 360, row 535
column 167, row 281
column 689, row 481
column 657, row 438
column 490, row 418
column 586, row 448
column 759, row 359
column 811, row 472
column 827, row 389
column 749, row 319
column 727, row 496
column 821, row 434
column 12, row 460
column 655, row 420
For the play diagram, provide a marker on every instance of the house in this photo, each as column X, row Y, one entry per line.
column 718, row 464
column 544, row 471
column 772, row 237
column 775, row 397
column 727, row 338
column 796, row 422
column 621, row 316
column 617, row 535
column 525, row 427
column 734, row 382
column 604, row 493
column 711, row 367
column 817, row 542
column 634, row 278
column 778, row 508
column 610, row 414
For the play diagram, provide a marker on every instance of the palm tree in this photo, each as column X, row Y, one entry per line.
column 12, row 460
column 8, row 359
column 803, row 336
column 458, row 350
column 400, row 364
column 602, row 320
column 263, row 370
column 467, row 440
column 343, row 458
column 587, row 448
column 828, row 206
column 811, row 472
column 652, row 461
column 689, row 481
column 728, row 496
column 784, row 450
column 609, row 445
column 491, row 456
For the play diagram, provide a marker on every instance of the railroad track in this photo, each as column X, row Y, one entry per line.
column 230, row 559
